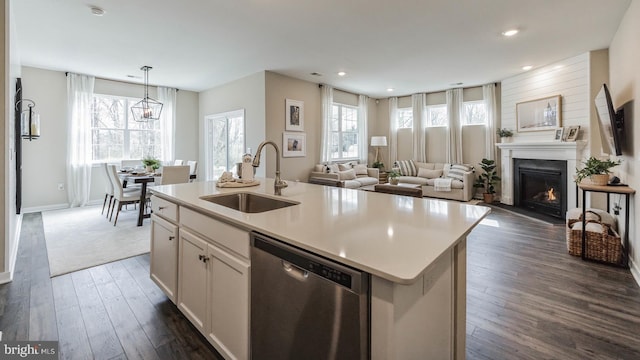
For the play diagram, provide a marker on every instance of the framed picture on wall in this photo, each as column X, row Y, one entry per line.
column 539, row 114
column 294, row 115
column 294, row 144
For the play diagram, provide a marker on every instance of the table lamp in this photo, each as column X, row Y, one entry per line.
column 378, row 141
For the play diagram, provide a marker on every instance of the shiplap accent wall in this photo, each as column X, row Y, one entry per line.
column 569, row 78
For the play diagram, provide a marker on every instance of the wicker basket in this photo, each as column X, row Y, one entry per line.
column 601, row 241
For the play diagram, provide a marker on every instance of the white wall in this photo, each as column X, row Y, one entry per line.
column 247, row 93
column 44, row 159
column 624, row 72
column 569, row 78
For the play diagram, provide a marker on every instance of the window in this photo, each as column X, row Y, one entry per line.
column 224, row 142
column 405, row 118
column 437, row 115
column 475, row 113
column 116, row 136
column 344, row 132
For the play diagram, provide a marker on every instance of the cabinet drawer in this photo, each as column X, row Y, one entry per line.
column 224, row 234
column 164, row 208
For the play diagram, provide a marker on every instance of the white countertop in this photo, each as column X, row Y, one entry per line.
column 393, row 237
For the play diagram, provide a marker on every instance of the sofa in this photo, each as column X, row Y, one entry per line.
column 349, row 175
column 419, row 173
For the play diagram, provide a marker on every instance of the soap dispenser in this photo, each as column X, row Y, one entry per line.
column 247, row 167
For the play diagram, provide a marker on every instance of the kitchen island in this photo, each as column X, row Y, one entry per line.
column 414, row 249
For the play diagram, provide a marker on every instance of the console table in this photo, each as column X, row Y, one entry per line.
column 608, row 189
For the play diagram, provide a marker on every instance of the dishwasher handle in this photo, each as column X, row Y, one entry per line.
column 294, row 271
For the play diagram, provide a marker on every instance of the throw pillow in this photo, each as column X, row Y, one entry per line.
column 429, row 174
column 361, row 169
column 320, row 168
column 347, row 174
column 456, row 171
column 407, row 167
column 345, row 166
column 333, row 168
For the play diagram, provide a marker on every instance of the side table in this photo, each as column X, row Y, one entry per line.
column 608, row 189
column 383, row 177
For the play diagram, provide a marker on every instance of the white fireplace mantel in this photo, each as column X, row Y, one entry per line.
column 551, row 150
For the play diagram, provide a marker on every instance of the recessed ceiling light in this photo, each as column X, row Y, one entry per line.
column 510, row 33
column 527, row 68
column 389, row 89
column 97, row 11
column 342, row 73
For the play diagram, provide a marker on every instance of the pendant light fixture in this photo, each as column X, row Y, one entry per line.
column 147, row 108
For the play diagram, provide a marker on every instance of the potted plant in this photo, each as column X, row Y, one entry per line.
column 504, row 134
column 379, row 165
column 596, row 170
column 487, row 179
column 393, row 176
column 151, row 164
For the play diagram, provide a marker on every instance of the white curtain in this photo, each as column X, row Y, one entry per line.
column 327, row 110
column 363, row 144
column 393, row 131
column 167, row 96
column 454, row 130
column 79, row 108
column 419, row 120
column 491, row 106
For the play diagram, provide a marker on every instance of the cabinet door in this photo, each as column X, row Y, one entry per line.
column 229, row 304
column 192, row 279
column 164, row 256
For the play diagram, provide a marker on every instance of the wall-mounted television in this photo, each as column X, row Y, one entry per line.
column 611, row 123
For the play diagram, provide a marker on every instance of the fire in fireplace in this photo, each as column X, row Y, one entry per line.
column 540, row 186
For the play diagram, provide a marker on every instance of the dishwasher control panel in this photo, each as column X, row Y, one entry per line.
column 329, row 273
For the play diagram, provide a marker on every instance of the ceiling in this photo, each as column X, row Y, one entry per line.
column 409, row 45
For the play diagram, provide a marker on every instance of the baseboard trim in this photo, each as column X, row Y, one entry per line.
column 7, row 276
column 45, row 208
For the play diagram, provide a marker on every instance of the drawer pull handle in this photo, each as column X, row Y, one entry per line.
column 160, row 208
column 203, row 258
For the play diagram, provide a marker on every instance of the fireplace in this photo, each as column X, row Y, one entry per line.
column 541, row 186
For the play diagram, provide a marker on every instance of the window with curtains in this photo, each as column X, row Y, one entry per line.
column 116, row 136
column 344, row 132
column 405, row 118
column 474, row 113
column 437, row 115
column 224, row 142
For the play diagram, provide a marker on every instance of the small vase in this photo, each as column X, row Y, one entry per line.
column 506, row 139
column 488, row 198
column 393, row 181
column 149, row 169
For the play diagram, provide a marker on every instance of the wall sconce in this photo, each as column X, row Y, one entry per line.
column 29, row 121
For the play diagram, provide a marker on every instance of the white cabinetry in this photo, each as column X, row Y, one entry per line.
column 164, row 255
column 213, row 281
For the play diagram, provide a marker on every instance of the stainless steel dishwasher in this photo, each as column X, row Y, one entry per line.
column 304, row 306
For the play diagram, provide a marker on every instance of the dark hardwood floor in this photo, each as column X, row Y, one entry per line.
column 112, row 311
column 527, row 299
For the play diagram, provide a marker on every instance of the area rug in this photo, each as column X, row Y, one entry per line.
column 79, row 238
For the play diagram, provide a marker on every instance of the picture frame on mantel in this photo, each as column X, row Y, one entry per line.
column 573, row 132
column 540, row 114
column 294, row 144
column 294, row 115
column 559, row 134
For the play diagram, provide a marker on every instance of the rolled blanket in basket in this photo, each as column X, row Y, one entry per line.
column 442, row 184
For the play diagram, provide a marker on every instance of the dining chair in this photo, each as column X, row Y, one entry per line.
column 174, row 175
column 108, row 189
column 178, row 162
column 119, row 195
column 193, row 167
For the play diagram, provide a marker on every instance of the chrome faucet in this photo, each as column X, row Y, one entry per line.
column 279, row 184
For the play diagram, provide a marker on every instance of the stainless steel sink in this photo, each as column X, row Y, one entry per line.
column 248, row 202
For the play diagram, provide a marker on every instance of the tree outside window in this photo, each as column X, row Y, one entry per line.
column 475, row 113
column 437, row 115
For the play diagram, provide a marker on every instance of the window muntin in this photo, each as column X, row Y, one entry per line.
column 474, row 113
column 344, row 132
column 116, row 136
column 405, row 118
column 437, row 115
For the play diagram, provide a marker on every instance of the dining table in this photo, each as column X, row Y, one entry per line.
column 143, row 179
